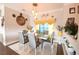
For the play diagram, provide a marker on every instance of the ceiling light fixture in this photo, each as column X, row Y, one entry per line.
column 34, row 11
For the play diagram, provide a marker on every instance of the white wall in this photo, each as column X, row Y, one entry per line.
column 2, row 29
column 76, row 15
column 57, row 13
column 29, row 7
column 1, row 16
column 11, row 27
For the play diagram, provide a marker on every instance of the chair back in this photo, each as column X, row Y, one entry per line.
column 21, row 38
column 32, row 41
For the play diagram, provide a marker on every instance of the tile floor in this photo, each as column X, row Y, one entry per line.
column 24, row 49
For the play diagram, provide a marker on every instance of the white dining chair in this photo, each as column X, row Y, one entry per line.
column 49, row 43
column 21, row 38
column 32, row 41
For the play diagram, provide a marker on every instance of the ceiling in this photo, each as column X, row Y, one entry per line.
column 40, row 8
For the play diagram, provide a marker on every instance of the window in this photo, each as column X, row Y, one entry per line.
column 46, row 27
column 43, row 28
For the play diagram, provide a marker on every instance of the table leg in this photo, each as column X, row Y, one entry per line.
column 41, row 43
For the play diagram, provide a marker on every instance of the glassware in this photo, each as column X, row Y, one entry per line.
column 60, row 33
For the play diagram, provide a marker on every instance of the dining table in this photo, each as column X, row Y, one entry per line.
column 60, row 40
column 43, row 38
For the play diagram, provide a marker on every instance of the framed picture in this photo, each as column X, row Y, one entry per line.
column 78, row 9
column 72, row 10
column 71, row 19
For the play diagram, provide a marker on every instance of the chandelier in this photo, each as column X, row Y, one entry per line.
column 34, row 11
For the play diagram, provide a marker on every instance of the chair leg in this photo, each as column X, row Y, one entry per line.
column 43, row 46
column 51, row 49
column 35, row 51
column 29, row 49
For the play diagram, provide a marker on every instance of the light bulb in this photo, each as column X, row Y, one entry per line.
column 33, row 12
